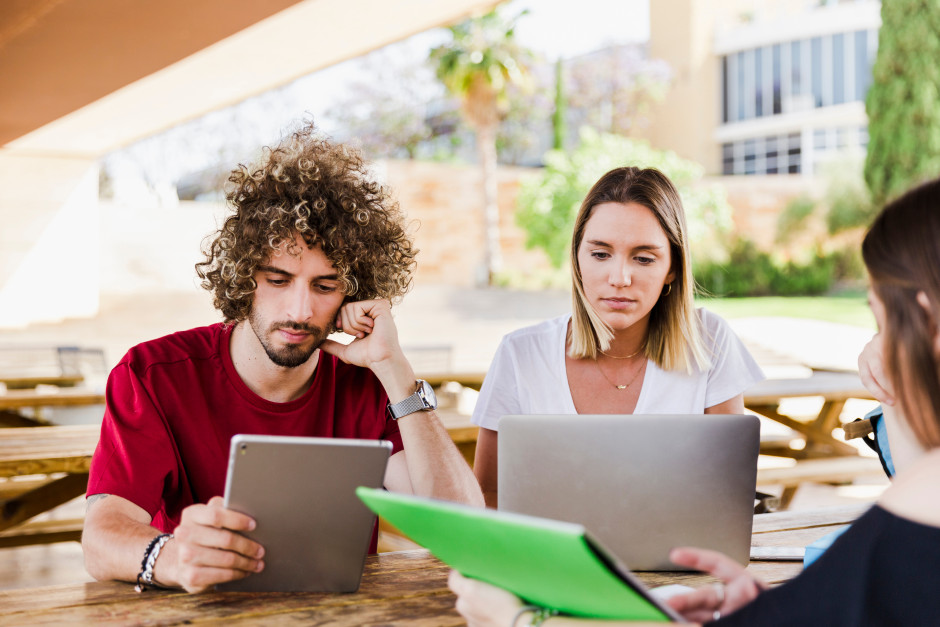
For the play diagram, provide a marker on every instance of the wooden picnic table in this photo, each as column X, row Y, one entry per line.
column 29, row 382
column 406, row 587
column 468, row 379
column 835, row 388
column 40, row 469
column 13, row 402
column 763, row 398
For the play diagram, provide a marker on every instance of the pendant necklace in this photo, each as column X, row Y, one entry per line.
column 619, row 387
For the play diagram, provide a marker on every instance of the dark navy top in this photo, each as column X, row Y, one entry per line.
column 884, row 570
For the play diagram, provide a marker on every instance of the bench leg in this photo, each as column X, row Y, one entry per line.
column 42, row 499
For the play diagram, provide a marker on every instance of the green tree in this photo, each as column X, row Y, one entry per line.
column 903, row 103
column 549, row 202
column 477, row 65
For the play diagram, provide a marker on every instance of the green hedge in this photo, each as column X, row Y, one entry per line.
column 753, row 272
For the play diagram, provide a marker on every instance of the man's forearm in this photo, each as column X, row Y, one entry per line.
column 436, row 467
column 114, row 539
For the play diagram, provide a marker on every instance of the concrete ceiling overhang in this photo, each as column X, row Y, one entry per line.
column 84, row 77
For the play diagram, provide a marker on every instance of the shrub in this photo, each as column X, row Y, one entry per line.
column 549, row 202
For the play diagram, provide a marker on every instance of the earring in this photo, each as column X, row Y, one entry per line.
column 668, row 289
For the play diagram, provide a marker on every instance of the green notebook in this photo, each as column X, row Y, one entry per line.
column 550, row 563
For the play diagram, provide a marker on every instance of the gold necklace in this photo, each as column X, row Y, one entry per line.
column 634, row 354
column 619, row 387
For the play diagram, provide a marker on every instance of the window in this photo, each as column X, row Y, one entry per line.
column 727, row 159
column 838, row 69
column 762, row 155
column 797, row 75
column 778, row 107
column 862, row 65
column 816, row 66
column 796, row 67
column 724, row 90
column 758, row 82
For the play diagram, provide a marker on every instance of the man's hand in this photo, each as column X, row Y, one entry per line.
column 871, row 370
column 209, row 550
column 737, row 589
column 371, row 323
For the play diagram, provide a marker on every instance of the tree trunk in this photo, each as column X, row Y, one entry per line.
column 486, row 146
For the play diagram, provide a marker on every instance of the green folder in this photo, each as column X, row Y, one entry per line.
column 546, row 562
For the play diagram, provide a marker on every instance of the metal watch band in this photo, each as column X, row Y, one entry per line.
column 423, row 399
column 408, row 406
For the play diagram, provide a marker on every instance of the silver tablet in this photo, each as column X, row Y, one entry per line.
column 301, row 491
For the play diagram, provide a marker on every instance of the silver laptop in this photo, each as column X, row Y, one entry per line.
column 302, row 493
column 641, row 484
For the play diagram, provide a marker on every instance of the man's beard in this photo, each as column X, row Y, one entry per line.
column 291, row 355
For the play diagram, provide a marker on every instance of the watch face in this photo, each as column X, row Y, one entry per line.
column 427, row 392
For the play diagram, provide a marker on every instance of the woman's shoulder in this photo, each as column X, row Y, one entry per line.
column 915, row 493
column 710, row 320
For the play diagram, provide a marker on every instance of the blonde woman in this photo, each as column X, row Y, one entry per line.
column 635, row 342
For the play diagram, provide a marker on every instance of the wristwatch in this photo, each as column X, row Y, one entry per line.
column 423, row 399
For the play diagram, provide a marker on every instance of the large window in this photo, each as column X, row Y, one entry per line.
column 797, row 75
column 785, row 154
column 777, row 154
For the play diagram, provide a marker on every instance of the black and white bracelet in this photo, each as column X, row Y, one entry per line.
column 145, row 576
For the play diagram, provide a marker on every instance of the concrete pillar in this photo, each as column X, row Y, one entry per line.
column 49, row 238
column 682, row 34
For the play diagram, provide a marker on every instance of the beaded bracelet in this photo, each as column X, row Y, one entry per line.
column 541, row 615
column 145, row 576
column 522, row 610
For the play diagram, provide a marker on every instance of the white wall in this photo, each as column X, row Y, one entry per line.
column 154, row 249
column 49, row 242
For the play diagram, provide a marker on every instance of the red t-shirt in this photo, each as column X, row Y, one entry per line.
column 173, row 405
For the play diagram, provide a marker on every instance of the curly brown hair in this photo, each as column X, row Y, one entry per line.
column 320, row 190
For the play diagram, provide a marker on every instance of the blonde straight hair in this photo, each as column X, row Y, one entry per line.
column 675, row 333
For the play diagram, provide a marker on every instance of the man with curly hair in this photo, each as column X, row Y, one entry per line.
column 313, row 246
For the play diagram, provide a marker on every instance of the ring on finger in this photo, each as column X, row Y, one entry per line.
column 719, row 592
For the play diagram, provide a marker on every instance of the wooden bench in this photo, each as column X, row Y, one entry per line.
column 13, row 402
column 834, row 470
column 40, row 469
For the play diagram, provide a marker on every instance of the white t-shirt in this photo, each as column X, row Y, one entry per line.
column 528, row 375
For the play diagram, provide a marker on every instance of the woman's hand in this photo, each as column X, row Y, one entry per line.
column 871, row 371
column 481, row 604
column 738, row 588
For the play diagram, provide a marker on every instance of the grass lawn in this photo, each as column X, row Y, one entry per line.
column 845, row 309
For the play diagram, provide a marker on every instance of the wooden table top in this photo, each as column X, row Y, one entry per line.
column 46, row 450
column 834, row 386
column 407, row 587
column 29, row 382
column 66, row 397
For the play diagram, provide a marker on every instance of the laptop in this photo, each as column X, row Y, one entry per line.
column 641, row 484
column 302, row 493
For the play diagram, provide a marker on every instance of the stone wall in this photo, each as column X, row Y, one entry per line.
column 444, row 203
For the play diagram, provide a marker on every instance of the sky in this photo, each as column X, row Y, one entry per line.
column 551, row 27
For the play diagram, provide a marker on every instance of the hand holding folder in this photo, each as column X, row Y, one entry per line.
column 549, row 563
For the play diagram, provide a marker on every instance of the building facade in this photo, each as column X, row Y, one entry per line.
column 764, row 88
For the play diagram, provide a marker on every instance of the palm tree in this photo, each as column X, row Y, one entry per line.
column 476, row 66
